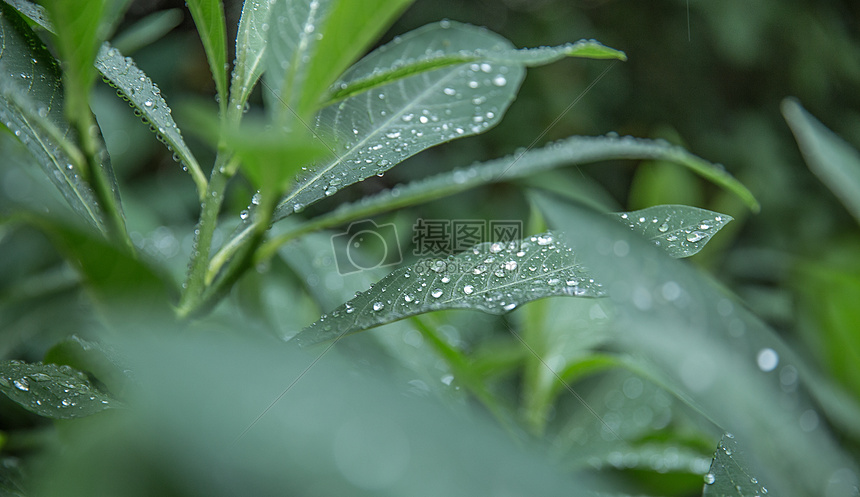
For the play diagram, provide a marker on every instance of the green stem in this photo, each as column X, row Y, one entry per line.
column 195, row 282
column 103, row 187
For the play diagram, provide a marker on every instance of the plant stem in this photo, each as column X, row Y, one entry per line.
column 195, row 282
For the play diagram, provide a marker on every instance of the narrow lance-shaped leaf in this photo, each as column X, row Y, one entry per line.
column 209, row 18
column 58, row 392
column 730, row 474
column 81, row 26
column 136, row 87
column 378, row 129
column 358, row 80
column 31, row 107
column 295, row 29
column 680, row 230
column 141, row 92
column 491, row 277
column 833, row 160
column 349, row 30
column 251, row 50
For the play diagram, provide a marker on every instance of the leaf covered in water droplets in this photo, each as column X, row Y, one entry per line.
column 680, row 230
column 729, row 475
column 31, row 107
column 145, row 96
column 491, row 277
column 58, row 392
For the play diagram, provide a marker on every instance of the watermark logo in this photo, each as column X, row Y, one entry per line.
column 366, row 245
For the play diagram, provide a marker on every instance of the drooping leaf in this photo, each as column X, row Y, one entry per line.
column 709, row 351
column 58, row 392
column 209, row 18
column 144, row 94
column 348, row 31
column 491, row 277
column 31, row 107
column 148, row 30
column 251, row 51
column 680, row 230
column 730, row 474
column 398, row 64
column 834, row 161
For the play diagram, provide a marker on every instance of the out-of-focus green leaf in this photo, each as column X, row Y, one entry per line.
column 209, row 18
column 491, row 277
column 31, row 107
column 730, row 474
column 81, row 26
column 58, row 392
column 833, row 160
column 251, row 50
column 148, row 30
column 708, row 351
column 680, row 230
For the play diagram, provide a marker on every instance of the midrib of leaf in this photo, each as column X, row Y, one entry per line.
column 249, row 55
column 530, row 57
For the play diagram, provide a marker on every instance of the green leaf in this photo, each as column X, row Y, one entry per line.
column 141, row 92
column 57, row 392
column 31, row 107
column 296, row 27
column 209, row 18
column 832, row 159
column 81, row 26
column 251, row 51
column 148, row 30
column 349, row 29
column 98, row 359
column 680, row 230
column 730, row 474
column 491, row 277
column 377, row 130
column 398, row 64
column 705, row 348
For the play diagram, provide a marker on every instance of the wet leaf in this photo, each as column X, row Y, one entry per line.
column 144, row 94
column 209, row 18
column 376, row 130
column 832, row 159
column 100, row 360
column 704, row 347
column 31, row 107
column 81, row 26
column 393, row 65
column 251, row 50
column 680, row 230
column 730, row 475
column 58, row 392
column 491, row 277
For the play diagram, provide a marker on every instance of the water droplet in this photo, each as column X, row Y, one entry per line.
column 445, row 279
column 22, row 384
column 468, row 289
column 256, row 198
column 509, row 307
column 496, row 248
column 66, row 403
column 663, row 228
column 392, row 134
column 449, row 91
column 710, row 478
column 767, row 359
column 148, row 103
column 511, row 265
column 500, row 80
column 39, row 377
column 695, row 236
column 377, row 306
column 544, row 240
column 244, row 214
column 436, row 293
column 408, row 298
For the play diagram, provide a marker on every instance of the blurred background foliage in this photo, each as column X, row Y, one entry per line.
column 706, row 75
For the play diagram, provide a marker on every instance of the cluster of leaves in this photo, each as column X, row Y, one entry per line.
column 157, row 370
